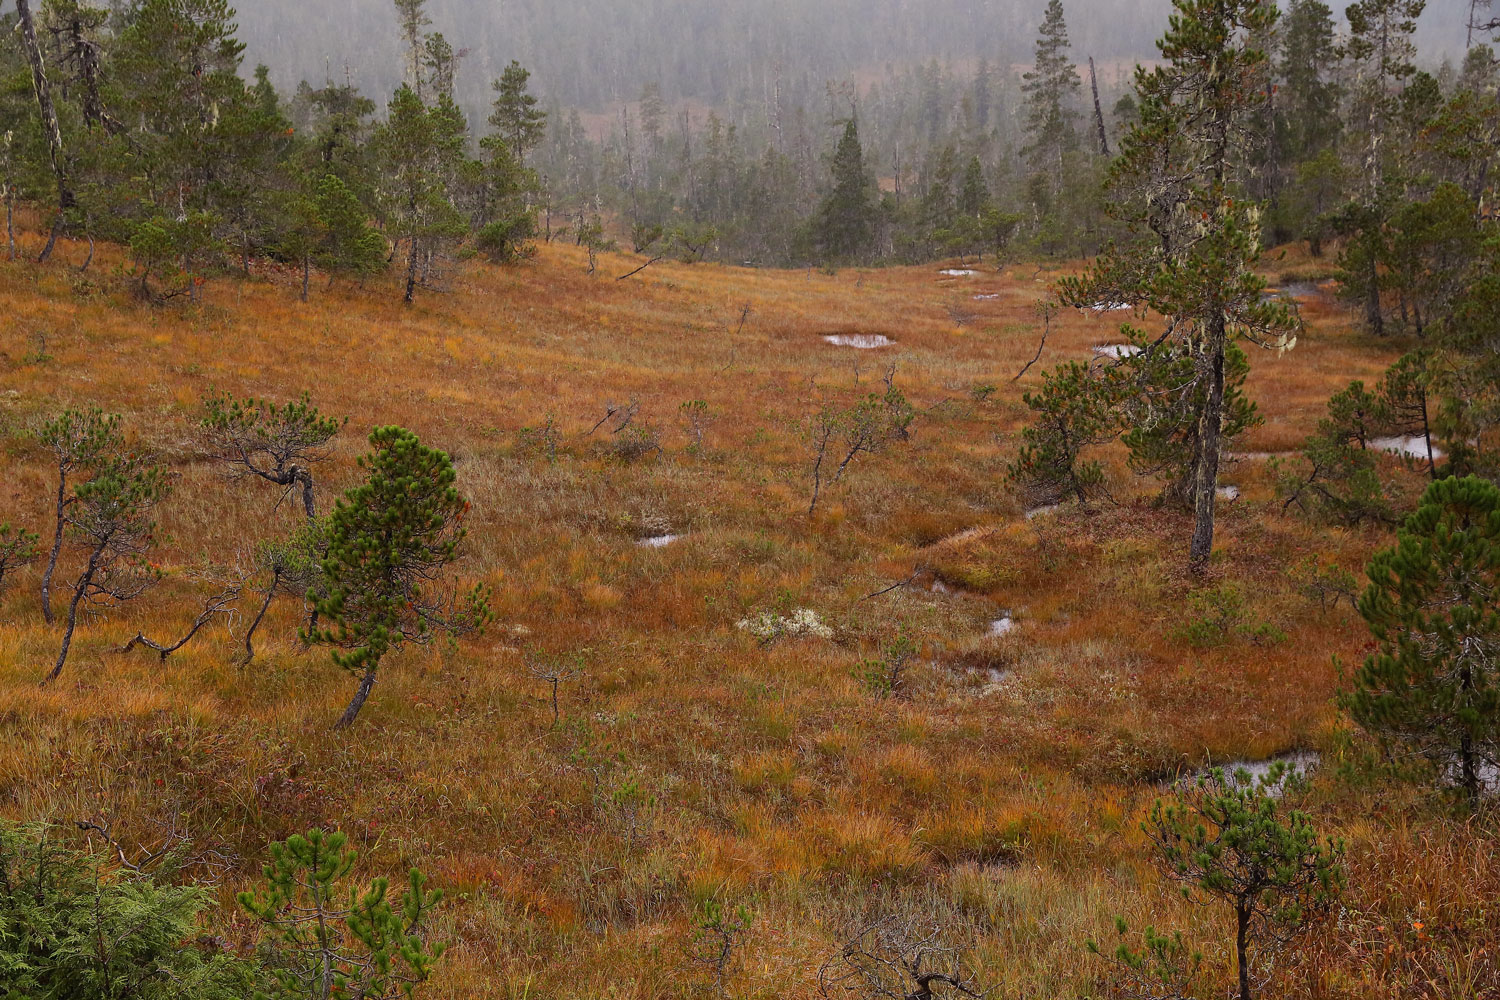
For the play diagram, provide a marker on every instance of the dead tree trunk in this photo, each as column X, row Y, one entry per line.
column 49, row 122
column 1098, row 111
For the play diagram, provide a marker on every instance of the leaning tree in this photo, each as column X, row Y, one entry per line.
column 389, row 540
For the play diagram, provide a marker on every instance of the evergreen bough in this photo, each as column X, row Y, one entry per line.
column 1432, row 688
column 325, row 942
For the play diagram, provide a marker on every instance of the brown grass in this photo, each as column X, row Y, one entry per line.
column 765, row 776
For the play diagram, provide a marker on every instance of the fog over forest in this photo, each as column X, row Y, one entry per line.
column 591, row 53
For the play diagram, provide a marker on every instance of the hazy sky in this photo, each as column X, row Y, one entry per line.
column 596, row 51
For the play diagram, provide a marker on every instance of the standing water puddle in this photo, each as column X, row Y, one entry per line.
column 1299, row 764
column 957, row 272
column 1001, row 626
column 657, row 541
column 1228, row 492
column 862, row 341
column 1409, row 445
column 1117, row 350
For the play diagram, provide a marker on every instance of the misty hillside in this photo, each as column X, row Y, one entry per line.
column 589, row 53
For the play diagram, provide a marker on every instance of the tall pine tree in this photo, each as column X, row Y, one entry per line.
column 1192, row 241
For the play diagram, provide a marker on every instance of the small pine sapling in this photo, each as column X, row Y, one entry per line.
column 1341, row 484
column 77, row 439
column 717, row 933
column 389, row 539
column 295, row 565
column 1228, row 839
column 18, row 547
column 885, row 675
column 553, row 671
column 1162, row 967
column 1073, row 412
column 321, row 943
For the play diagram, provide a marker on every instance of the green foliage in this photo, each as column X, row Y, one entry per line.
column 275, row 442
column 1328, row 585
column 330, row 230
column 1217, row 614
column 716, row 933
column 388, row 539
column 323, row 943
column 1162, row 966
column 1432, row 690
column 839, row 434
column 76, row 926
column 1161, row 410
column 1191, row 244
column 422, row 151
column 846, row 218
column 171, row 252
column 1229, row 839
column 1051, row 91
column 1340, row 484
column 1073, row 411
column 18, row 547
column 884, row 675
column 515, row 117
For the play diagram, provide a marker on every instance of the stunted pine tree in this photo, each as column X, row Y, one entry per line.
column 327, row 938
column 389, row 539
column 1192, row 242
column 276, row 442
column 1229, row 839
column 78, row 439
column 515, row 116
column 1431, row 690
column 1072, row 413
column 329, row 229
column 111, row 521
column 1051, row 90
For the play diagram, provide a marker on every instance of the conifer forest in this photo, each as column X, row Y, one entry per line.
column 759, row 500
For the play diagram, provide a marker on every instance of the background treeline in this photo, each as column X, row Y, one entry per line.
column 142, row 123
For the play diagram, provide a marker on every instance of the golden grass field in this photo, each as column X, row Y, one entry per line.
column 691, row 762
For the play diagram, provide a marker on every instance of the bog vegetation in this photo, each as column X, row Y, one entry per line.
column 405, row 592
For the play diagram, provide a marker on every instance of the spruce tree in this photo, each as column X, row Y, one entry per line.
column 1192, row 240
column 1051, row 90
column 411, row 16
column 846, row 219
column 1380, row 46
column 388, row 540
column 1432, row 688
